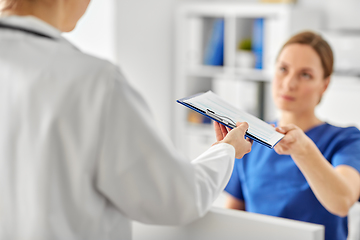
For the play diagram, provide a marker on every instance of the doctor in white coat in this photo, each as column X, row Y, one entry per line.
column 80, row 156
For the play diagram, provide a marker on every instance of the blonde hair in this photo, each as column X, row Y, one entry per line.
column 321, row 47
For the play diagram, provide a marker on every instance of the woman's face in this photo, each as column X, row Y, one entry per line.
column 299, row 83
column 75, row 9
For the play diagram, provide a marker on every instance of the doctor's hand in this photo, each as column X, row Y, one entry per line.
column 234, row 137
column 295, row 142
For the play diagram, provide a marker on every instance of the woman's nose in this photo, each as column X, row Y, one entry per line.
column 290, row 82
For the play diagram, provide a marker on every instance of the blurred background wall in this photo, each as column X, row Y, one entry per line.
column 138, row 35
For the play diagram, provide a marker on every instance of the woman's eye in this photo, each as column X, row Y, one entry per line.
column 306, row 75
column 282, row 69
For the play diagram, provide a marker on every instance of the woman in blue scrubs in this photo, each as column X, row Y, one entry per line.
column 311, row 175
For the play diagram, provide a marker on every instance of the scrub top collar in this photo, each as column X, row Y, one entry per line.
column 32, row 23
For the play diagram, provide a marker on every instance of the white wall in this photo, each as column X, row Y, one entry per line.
column 342, row 14
column 339, row 103
column 95, row 32
column 145, row 52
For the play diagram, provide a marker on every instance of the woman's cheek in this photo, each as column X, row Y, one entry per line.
column 276, row 85
column 310, row 96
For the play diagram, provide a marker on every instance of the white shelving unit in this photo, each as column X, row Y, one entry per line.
column 193, row 26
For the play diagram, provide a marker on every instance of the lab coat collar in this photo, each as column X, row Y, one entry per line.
column 34, row 24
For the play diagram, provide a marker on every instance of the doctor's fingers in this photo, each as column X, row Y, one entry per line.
column 249, row 140
column 220, row 131
column 242, row 147
column 242, row 127
column 248, row 145
column 224, row 129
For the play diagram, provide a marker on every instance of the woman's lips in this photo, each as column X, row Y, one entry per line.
column 287, row 98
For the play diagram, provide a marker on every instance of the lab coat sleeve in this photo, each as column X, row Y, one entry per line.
column 143, row 175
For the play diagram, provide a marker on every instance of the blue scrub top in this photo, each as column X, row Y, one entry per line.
column 272, row 184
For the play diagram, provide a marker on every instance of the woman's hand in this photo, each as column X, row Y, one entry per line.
column 337, row 189
column 295, row 142
column 234, row 137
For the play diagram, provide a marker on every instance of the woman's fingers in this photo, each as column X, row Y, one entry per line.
column 285, row 145
column 278, row 149
column 281, row 149
column 280, row 130
column 285, row 129
column 288, row 139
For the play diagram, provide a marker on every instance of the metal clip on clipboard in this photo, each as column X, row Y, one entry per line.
column 223, row 119
column 230, row 123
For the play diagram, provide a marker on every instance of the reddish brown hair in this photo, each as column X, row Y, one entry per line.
column 321, row 47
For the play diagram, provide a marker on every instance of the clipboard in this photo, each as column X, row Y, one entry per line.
column 217, row 109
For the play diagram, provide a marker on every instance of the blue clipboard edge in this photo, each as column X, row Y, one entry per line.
column 181, row 101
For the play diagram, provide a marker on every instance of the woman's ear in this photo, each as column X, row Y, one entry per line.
column 326, row 84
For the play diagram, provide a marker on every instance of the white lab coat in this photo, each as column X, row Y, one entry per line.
column 80, row 155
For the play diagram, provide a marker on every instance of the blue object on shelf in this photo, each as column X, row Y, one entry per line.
column 214, row 53
column 258, row 42
column 206, row 120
